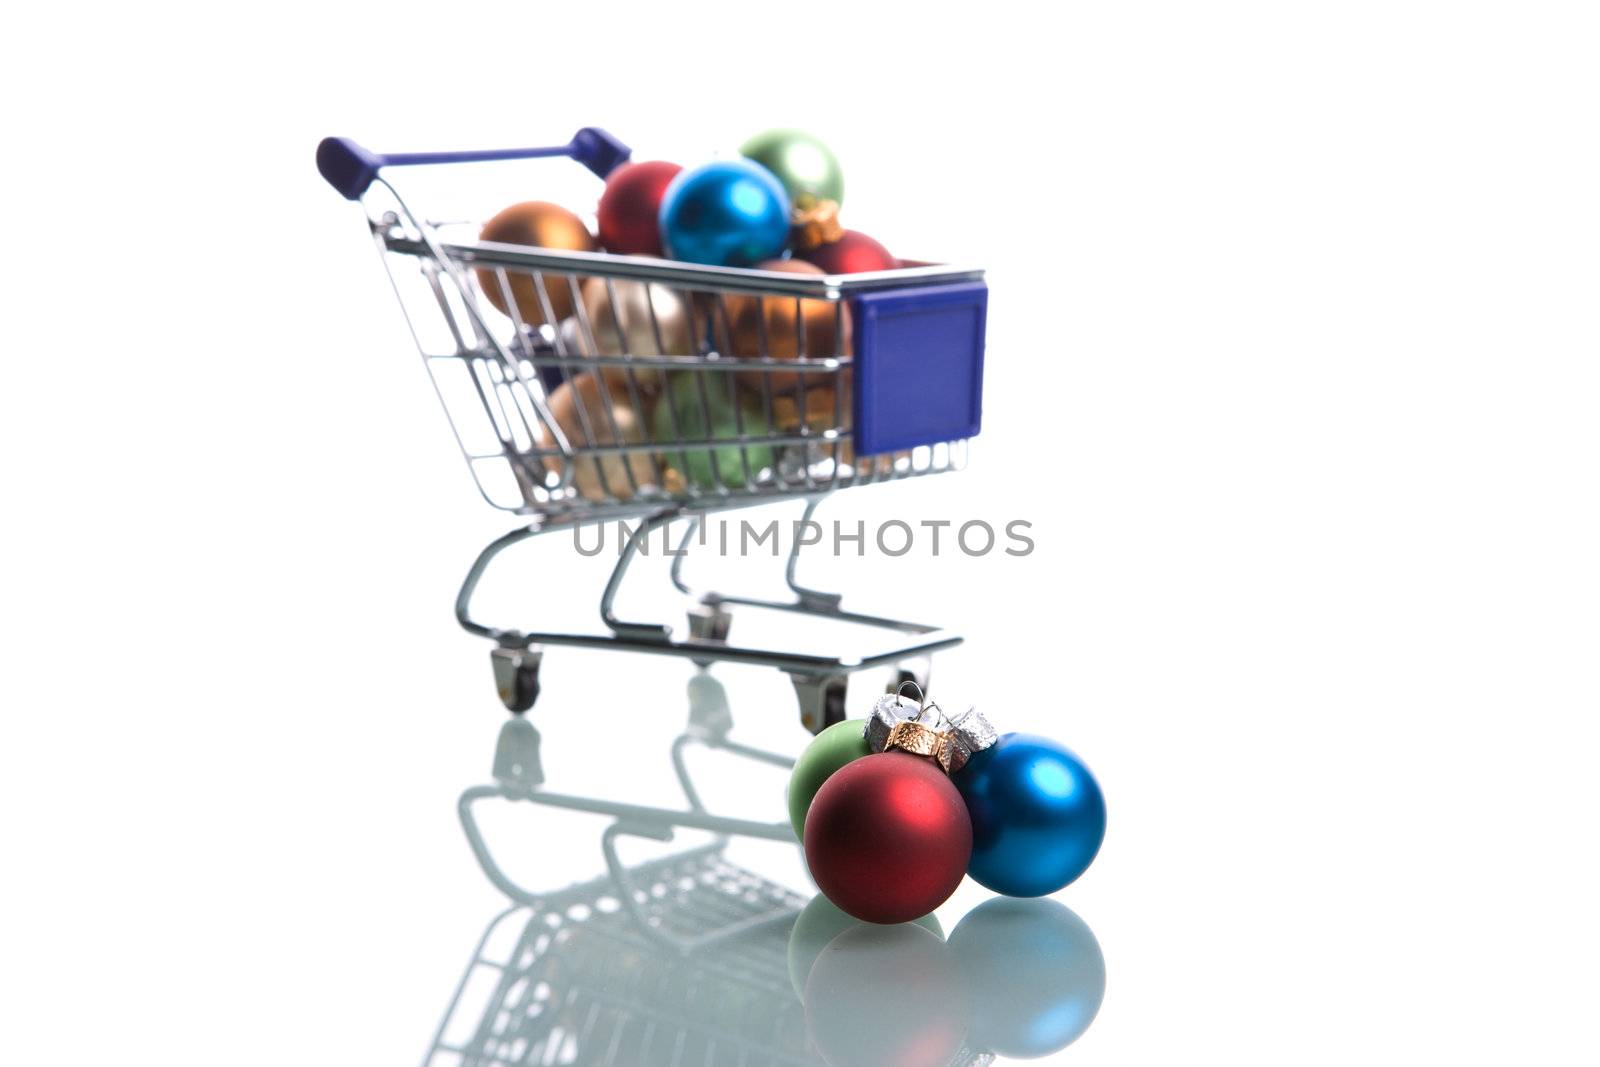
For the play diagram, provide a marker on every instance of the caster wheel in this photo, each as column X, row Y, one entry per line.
column 822, row 699
column 709, row 622
column 524, row 690
column 516, row 676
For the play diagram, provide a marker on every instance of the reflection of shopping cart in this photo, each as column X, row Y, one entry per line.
column 678, row 961
column 686, row 959
column 584, row 386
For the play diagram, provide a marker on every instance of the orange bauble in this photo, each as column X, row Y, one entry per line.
column 822, row 414
column 827, row 405
column 589, row 415
column 827, row 327
column 542, row 225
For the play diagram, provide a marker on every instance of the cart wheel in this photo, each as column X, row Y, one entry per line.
column 709, row 621
column 913, row 670
column 822, row 699
column 516, row 676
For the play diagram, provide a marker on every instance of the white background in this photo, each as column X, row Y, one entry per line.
column 1292, row 364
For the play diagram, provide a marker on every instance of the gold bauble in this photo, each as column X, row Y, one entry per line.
column 822, row 415
column 825, row 322
column 580, row 407
column 643, row 320
column 819, row 417
column 542, row 225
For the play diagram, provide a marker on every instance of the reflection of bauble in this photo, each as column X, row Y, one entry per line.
column 819, row 922
column 882, row 995
column 1035, row 972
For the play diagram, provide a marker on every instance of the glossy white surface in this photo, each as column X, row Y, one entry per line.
column 1292, row 366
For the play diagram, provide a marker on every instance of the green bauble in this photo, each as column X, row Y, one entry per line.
column 698, row 407
column 820, row 922
column 827, row 752
column 805, row 166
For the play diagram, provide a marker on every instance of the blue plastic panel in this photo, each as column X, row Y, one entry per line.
column 919, row 366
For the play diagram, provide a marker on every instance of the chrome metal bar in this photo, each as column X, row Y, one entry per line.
column 717, row 744
column 635, row 813
column 428, row 245
column 813, row 599
column 640, row 630
column 807, row 602
column 689, row 275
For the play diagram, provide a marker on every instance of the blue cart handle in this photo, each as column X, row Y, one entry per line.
column 350, row 169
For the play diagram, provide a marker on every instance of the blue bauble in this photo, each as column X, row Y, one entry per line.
column 1037, row 815
column 730, row 214
column 1035, row 972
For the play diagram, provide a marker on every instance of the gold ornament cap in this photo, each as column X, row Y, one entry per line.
column 814, row 223
column 898, row 724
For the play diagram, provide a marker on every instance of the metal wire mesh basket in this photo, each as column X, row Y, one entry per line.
column 588, row 385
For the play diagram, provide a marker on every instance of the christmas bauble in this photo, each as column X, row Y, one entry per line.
column 827, row 752
column 806, row 167
column 730, row 214
column 887, row 837
column 580, row 408
column 1035, row 972
column 774, row 326
column 825, row 407
column 886, row 996
column 853, row 253
column 637, row 319
column 630, row 208
column 824, row 410
column 818, row 923
column 1038, row 816
column 573, row 341
column 544, row 226
column 701, row 408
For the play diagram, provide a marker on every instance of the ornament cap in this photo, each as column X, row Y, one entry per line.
column 814, row 223
column 897, row 723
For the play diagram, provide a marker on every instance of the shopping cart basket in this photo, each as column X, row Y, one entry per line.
column 678, row 397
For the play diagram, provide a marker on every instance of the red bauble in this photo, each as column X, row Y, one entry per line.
column 851, row 254
column 631, row 205
column 888, row 838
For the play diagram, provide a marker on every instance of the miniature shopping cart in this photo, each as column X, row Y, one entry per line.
column 896, row 396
